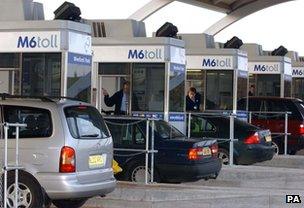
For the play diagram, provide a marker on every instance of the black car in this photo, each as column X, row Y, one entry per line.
column 179, row 159
column 276, row 122
column 253, row 144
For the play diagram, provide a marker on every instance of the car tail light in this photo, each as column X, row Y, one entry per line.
column 195, row 153
column 253, row 139
column 214, row 150
column 67, row 160
column 301, row 129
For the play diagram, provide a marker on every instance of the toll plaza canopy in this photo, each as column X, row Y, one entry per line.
column 235, row 10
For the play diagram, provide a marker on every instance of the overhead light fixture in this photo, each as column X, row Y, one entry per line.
column 167, row 30
column 280, row 51
column 68, row 11
column 234, row 42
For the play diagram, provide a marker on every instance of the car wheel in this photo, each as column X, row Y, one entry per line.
column 224, row 156
column 69, row 203
column 137, row 173
column 292, row 152
column 276, row 148
column 30, row 193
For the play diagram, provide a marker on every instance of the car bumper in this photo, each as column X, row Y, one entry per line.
column 255, row 153
column 66, row 186
column 191, row 172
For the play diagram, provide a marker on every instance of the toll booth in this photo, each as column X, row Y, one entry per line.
column 219, row 75
column 297, row 75
column 268, row 75
column 46, row 58
column 154, row 66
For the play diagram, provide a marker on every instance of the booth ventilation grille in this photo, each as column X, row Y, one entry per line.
column 98, row 29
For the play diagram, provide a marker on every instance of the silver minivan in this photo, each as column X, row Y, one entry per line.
column 66, row 151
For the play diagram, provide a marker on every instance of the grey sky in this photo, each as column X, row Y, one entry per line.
column 278, row 25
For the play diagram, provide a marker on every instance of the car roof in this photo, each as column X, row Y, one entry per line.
column 273, row 98
column 38, row 103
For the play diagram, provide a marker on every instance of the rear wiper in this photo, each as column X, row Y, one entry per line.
column 90, row 135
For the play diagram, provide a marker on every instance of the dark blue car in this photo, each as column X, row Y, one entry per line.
column 179, row 159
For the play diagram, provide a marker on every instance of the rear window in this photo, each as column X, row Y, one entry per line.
column 38, row 121
column 300, row 107
column 85, row 122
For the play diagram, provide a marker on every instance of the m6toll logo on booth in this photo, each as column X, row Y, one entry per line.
column 37, row 42
column 266, row 68
column 298, row 72
column 146, row 54
column 220, row 62
column 217, row 63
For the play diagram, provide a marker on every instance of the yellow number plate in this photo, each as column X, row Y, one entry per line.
column 96, row 161
column 206, row 151
column 268, row 139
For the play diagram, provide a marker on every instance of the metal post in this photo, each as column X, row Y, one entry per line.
column 250, row 117
column 231, row 146
column 189, row 125
column 17, row 165
column 147, row 152
column 286, row 133
column 152, row 149
column 5, row 164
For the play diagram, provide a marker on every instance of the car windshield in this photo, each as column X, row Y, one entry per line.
column 85, row 122
column 167, row 131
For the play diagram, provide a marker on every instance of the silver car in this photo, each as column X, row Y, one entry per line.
column 66, row 151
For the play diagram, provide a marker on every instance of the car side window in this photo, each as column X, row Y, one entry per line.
column 38, row 121
column 138, row 136
column 125, row 134
column 199, row 124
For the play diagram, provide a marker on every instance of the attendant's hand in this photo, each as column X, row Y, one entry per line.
column 104, row 92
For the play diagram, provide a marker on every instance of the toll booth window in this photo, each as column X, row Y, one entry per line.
column 41, row 74
column 287, row 86
column 148, row 85
column 298, row 86
column 79, row 82
column 9, row 60
column 242, row 88
column 219, row 90
column 177, row 88
column 268, row 84
column 114, row 69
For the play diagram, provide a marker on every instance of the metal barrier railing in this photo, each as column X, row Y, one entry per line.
column 150, row 123
column 231, row 138
column 11, row 167
column 274, row 114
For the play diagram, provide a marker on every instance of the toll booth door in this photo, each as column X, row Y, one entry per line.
column 8, row 81
column 4, row 82
column 112, row 84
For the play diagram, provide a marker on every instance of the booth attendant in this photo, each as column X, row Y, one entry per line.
column 193, row 100
column 120, row 99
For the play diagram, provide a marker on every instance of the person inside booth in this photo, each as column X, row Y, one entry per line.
column 120, row 99
column 193, row 100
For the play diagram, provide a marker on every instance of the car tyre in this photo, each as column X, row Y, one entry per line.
column 30, row 192
column 276, row 146
column 223, row 154
column 47, row 201
column 136, row 173
column 69, row 203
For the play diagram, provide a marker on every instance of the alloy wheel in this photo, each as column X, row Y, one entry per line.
column 25, row 196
